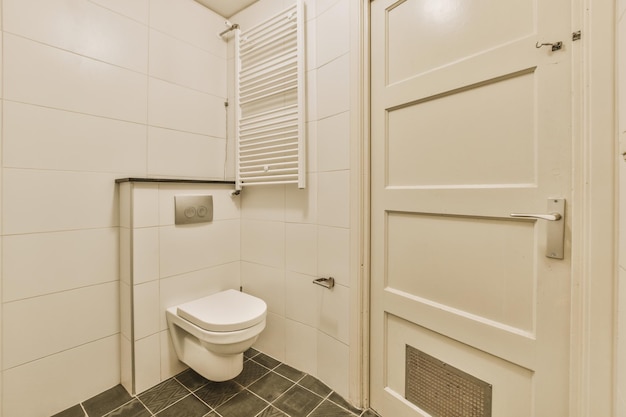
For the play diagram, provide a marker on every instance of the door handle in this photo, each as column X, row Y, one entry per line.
column 556, row 226
column 552, row 217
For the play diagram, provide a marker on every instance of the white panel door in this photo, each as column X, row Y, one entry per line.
column 470, row 122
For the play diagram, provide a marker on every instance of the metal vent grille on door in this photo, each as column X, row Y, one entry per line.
column 443, row 390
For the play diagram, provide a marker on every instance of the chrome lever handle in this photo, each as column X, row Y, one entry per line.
column 555, row 229
column 552, row 217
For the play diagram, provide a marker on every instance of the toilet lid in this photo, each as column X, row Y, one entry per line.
column 224, row 311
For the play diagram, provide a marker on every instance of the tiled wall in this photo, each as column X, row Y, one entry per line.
column 93, row 90
column 164, row 265
column 621, row 82
column 291, row 236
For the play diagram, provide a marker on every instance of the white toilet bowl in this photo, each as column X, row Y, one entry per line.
column 211, row 333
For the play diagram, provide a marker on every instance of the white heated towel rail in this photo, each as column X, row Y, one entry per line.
column 270, row 96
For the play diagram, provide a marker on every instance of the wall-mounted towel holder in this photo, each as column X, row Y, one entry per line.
column 325, row 282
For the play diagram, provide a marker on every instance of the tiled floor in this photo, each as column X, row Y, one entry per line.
column 265, row 388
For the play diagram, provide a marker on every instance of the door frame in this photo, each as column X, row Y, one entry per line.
column 594, row 217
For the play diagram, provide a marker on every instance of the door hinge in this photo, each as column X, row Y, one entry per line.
column 576, row 35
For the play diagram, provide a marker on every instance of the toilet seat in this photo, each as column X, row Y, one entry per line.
column 224, row 311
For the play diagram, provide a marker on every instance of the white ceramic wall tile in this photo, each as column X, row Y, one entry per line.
column 63, row 320
column 170, row 365
column 180, row 63
column 225, row 205
column 263, row 242
column 311, row 96
column 266, row 283
column 180, row 108
column 125, row 190
column 189, row 21
column 311, row 41
column 301, row 347
column 191, row 286
column 321, row 6
column 146, row 309
column 125, row 255
column 62, row 380
column 173, row 153
column 135, row 9
column 39, row 74
column 126, row 311
column 334, row 254
column 333, row 143
column 44, row 263
column 126, row 367
column 333, row 32
column 333, row 198
column 303, row 299
column 145, row 205
column 147, row 362
column 42, row 201
column 192, row 247
column 335, row 313
column 301, row 248
column 264, row 202
column 301, row 204
column 333, row 87
column 272, row 339
column 145, row 254
column 333, row 359
column 258, row 12
column 311, row 148
column 70, row 141
column 81, row 27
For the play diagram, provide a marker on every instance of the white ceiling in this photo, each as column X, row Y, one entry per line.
column 226, row 8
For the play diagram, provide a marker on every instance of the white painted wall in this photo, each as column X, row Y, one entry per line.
column 93, row 90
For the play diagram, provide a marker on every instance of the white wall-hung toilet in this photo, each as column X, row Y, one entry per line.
column 211, row 333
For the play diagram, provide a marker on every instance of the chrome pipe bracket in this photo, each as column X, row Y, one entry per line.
column 325, row 282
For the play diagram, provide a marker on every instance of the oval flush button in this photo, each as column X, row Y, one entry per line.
column 202, row 211
column 190, row 212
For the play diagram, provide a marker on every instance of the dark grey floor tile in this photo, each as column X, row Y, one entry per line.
column 76, row 411
column 266, row 361
column 272, row 412
column 289, row 372
column 297, row 401
column 338, row 399
column 191, row 380
column 190, row 406
column 250, row 353
column 330, row 409
column 251, row 372
column 369, row 413
column 217, row 393
column 243, row 404
column 315, row 385
column 163, row 395
column 107, row 401
column 271, row 386
column 131, row 409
